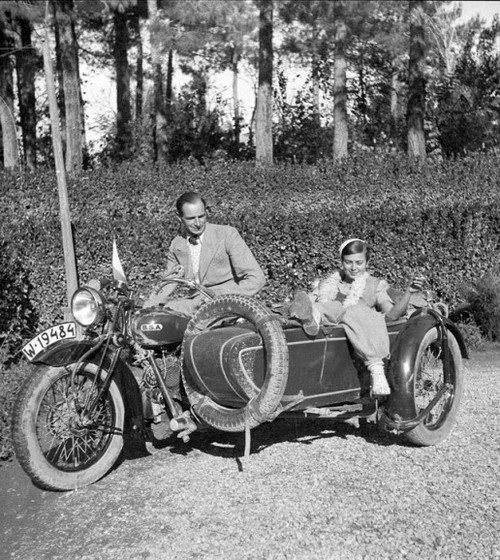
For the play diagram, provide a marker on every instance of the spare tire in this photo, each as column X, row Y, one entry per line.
column 264, row 405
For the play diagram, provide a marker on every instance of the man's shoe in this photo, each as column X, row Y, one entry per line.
column 301, row 308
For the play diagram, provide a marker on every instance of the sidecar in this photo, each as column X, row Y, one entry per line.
column 244, row 365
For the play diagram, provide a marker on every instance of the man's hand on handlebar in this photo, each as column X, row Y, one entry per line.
column 176, row 272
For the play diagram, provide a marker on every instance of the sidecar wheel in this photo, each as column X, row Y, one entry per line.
column 265, row 402
column 428, row 379
column 56, row 447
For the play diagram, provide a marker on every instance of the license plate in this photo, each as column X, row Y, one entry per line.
column 35, row 346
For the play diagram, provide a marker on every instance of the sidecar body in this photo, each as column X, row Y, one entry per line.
column 229, row 364
column 228, row 370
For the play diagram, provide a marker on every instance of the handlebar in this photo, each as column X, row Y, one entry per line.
column 191, row 284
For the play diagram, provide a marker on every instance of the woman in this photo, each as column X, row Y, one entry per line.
column 360, row 303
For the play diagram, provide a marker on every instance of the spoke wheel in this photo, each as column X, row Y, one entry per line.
column 59, row 445
column 428, row 380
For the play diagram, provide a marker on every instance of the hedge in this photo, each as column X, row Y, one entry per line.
column 443, row 221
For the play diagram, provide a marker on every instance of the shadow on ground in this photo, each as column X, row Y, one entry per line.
column 303, row 431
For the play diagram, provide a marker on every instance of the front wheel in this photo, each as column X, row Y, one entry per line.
column 428, row 379
column 57, row 444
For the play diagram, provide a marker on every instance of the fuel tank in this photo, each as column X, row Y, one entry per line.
column 153, row 327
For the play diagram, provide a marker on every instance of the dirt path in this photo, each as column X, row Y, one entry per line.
column 309, row 490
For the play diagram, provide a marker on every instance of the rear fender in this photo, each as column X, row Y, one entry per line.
column 403, row 358
column 69, row 352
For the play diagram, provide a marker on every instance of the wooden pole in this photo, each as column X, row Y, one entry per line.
column 64, row 214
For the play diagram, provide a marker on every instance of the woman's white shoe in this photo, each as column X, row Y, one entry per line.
column 380, row 387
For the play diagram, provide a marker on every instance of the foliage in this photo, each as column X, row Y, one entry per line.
column 482, row 304
column 472, row 335
column 466, row 105
column 10, row 383
column 443, row 221
column 195, row 130
column 298, row 134
column 17, row 316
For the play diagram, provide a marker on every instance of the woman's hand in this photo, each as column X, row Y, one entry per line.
column 417, row 284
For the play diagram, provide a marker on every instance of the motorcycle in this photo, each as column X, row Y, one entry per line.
column 232, row 366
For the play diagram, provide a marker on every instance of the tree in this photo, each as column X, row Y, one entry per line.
column 378, row 52
column 20, row 17
column 139, row 70
column 466, row 105
column 123, row 107
column 310, row 30
column 64, row 10
column 7, row 118
column 59, row 70
column 264, row 112
column 340, row 130
column 416, row 83
column 231, row 41
column 122, row 11
column 159, row 116
column 26, row 61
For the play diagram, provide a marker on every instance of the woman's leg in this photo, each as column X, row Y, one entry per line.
column 367, row 332
column 364, row 327
column 313, row 314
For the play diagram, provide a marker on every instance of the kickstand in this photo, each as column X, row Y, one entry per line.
column 248, row 437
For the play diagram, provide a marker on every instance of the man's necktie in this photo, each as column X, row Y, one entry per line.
column 194, row 240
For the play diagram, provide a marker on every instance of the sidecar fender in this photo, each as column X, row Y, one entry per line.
column 69, row 352
column 403, row 360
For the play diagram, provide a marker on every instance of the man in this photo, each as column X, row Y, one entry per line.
column 214, row 255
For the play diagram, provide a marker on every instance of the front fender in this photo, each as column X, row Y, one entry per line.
column 64, row 352
column 401, row 402
column 69, row 352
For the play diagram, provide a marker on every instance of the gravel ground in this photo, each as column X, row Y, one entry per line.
column 312, row 489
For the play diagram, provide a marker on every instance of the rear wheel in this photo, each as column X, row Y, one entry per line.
column 57, row 445
column 428, row 380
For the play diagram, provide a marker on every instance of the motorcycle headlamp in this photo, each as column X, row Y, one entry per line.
column 87, row 307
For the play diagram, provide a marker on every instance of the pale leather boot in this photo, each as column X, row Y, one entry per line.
column 380, row 387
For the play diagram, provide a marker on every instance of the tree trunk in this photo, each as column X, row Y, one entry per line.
column 123, row 111
column 264, row 113
column 315, row 63
column 168, row 87
column 340, row 130
column 83, row 133
column 59, row 72
column 26, row 71
column 236, row 100
column 315, row 90
column 159, row 117
column 416, row 84
column 7, row 119
column 9, row 139
column 69, row 59
column 395, row 89
column 139, row 72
